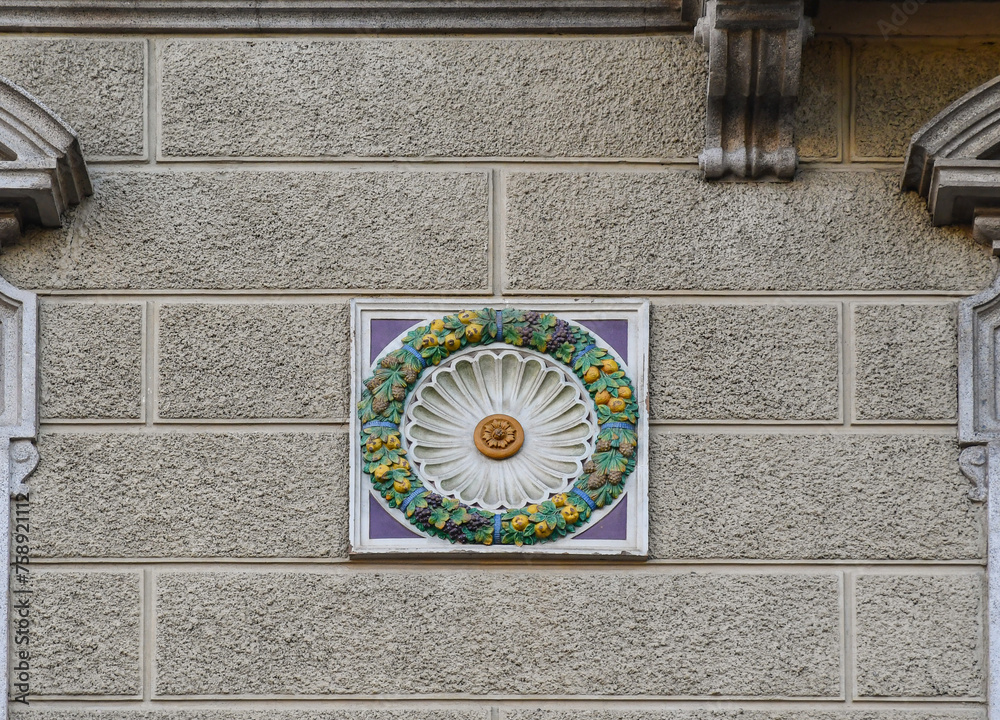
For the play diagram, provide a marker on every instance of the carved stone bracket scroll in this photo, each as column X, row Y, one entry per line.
column 954, row 162
column 754, row 68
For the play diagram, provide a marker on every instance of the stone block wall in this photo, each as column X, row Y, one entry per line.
column 814, row 553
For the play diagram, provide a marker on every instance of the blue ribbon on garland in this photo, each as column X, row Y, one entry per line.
column 413, row 496
column 586, row 498
column 497, row 519
column 620, row 425
column 582, row 353
column 499, row 314
column 380, row 423
column 413, row 351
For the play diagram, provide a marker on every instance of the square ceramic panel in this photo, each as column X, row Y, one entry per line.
column 499, row 426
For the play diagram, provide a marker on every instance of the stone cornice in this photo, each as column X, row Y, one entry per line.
column 42, row 171
column 368, row 16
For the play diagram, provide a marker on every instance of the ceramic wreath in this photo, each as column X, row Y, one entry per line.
column 552, row 426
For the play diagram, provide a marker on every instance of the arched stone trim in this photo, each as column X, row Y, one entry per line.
column 954, row 160
column 42, row 171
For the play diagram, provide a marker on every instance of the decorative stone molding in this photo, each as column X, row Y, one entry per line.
column 954, row 162
column 754, row 68
column 139, row 16
column 42, row 171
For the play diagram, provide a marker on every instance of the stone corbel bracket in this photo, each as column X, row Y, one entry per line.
column 42, row 171
column 754, row 69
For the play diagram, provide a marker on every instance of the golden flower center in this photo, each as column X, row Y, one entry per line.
column 499, row 436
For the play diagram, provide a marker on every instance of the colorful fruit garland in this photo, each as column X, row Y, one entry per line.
column 397, row 372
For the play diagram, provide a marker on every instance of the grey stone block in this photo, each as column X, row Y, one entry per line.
column 818, row 114
column 90, row 360
column 191, row 495
column 871, row 497
column 526, row 631
column 647, row 231
column 85, row 633
column 596, row 97
column 906, row 362
column 254, row 361
column 96, row 86
column 920, row 635
column 899, row 86
column 256, row 229
column 762, row 362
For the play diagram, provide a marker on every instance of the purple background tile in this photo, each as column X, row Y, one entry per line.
column 384, row 331
column 613, row 526
column 613, row 332
column 382, row 525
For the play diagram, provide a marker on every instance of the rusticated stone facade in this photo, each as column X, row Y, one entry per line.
column 814, row 553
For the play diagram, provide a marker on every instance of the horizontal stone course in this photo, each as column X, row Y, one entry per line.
column 84, row 634
column 761, row 362
column 250, row 229
column 906, row 364
column 218, row 713
column 246, row 361
column 251, row 494
column 459, row 97
column 95, row 86
column 711, row 634
column 628, row 232
column 788, row 713
column 421, row 712
column 900, row 86
column 920, row 635
column 90, row 360
column 822, row 496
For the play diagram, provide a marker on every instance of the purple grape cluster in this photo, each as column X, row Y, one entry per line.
column 561, row 333
column 455, row 532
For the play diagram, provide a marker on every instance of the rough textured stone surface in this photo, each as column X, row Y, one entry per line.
column 890, row 497
column 739, row 714
column 728, row 634
column 619, row 97
column 258, row 229
column 906, row 364
column 90, row 360
column 818, row 114
column 765, row 362
column 672, row 231
column 96, row 86
column 218, row 713
column 899, row 86
column 920, row 636
column 85, row 633
column 191, row 495
column 254, row 361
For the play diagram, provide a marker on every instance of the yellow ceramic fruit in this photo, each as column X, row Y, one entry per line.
column 625, row 392
column 532, row 509
column 602, row 397
column 474, row 333
column 428, row 340
column 466, row 316
column 393, row 442
column 437, row 325
column 401, row 465
column 570, row 514
column 401, row 486
column 559, row 500
column 592, row 374
column 609, row 366
column 616, row 405
column 543, row 530
column 374, row 444
column 381, row 470
column 519, row 523
column 451, row 342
